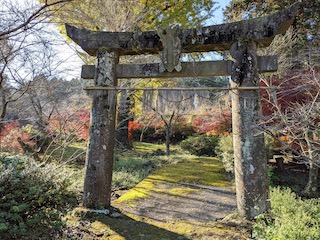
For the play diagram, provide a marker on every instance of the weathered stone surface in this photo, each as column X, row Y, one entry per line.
column 99, row 161
column 212, row 38
column 248, row 141
column 171, row 53
column 189, row 69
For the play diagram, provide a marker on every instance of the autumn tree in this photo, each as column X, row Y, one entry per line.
column 25, row 48
column 293, row 112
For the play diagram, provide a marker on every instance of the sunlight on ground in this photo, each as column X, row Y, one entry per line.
column 192, row 169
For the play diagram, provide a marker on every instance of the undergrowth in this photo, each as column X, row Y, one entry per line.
column 291, row 217
column 201, row 145
column 33, row 198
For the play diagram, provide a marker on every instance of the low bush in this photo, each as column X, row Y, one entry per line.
column 33, row 198
column 226, row 154
column 200, row 145
column 128, row 172
column 290, row 218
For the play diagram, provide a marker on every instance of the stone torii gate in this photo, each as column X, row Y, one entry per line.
column 240, row 38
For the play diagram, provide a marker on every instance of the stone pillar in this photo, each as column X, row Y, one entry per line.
column 99, row 161
column 251, row 176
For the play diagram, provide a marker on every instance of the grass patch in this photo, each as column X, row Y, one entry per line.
column 72, row 152
column 147, row 148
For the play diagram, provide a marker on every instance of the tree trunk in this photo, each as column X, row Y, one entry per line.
column 4, row 104
column 99, row 161
column 251, row 176
column 280, row 164
column 167, row 140
column 122, row 133
column 168, row 125
column 312, row 185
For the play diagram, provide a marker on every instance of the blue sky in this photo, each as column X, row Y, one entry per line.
column 218, row 14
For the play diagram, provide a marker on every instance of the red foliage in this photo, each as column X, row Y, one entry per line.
column 133, row 126
column 216, row 124
column 296, row 87
column 9, row 133
column 76, row 124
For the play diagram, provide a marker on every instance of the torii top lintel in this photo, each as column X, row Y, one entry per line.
column 210, row 38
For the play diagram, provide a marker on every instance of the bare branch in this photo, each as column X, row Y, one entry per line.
column 36, row 14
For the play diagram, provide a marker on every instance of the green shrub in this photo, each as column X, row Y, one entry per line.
column 226, row 154
column 32, row 198
column 127, row 172
column 200, row 145
column 291, row 217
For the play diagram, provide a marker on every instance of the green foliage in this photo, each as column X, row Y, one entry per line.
column 188, row 13
column 272, row 177
column 127, row 172
column 32, row 198
column 201, row 145
column 41, row 139
column 226, row 153
column 154, row 134
column 291, row 218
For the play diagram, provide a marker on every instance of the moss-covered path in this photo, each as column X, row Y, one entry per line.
column 194, row 190
column 185, row 198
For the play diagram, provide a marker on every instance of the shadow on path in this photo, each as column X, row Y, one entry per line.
column 128, row 228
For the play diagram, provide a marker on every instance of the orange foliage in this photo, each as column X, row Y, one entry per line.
column 9, row 133
column 216, row 124
column 76, row 124
column 133, row 126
